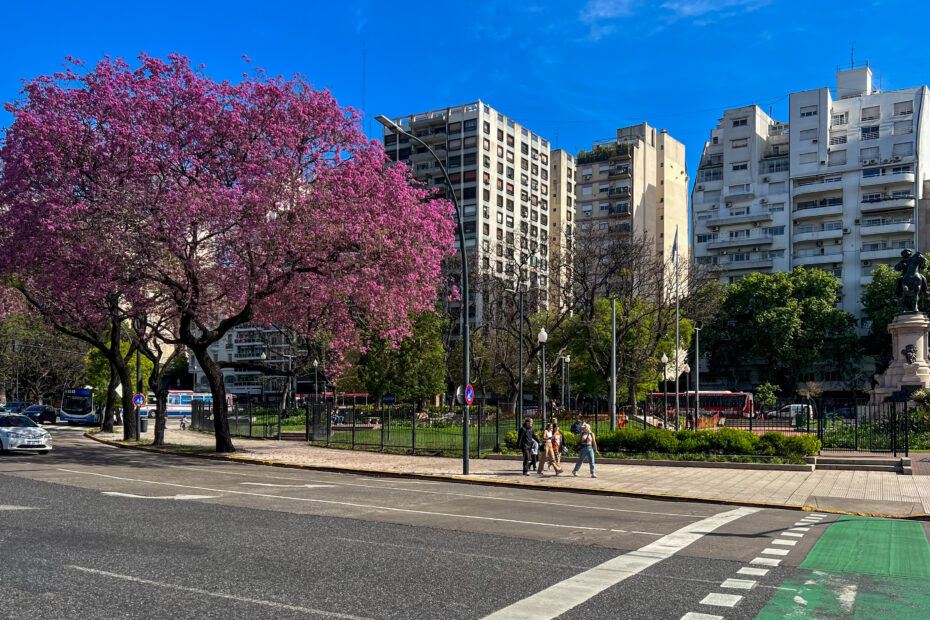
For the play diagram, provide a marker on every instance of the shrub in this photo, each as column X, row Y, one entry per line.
column 802, row 445
column 735, row 441
column 510, row 440
column 659, row 440
column 773, row 444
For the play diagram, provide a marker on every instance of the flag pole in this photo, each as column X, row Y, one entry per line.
column 677, row 334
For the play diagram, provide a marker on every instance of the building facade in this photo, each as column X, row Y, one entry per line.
column 636, row 184
column 561, row 224
column 500, row 173
column 855, row 185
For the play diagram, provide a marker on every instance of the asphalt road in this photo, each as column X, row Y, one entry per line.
column 98, row 532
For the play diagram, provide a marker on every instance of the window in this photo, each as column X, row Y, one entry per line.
column 524, row 148
column 776, row 253
column 869, row 153
column 739, row 234
column 869, row 133
column 509, row 140
column 871, row 172
column 587, row 190
column 707, row 237
column 773, row 231
column 903, row 107
column 837, row 158
column 486, row 126
column 740, row 165
column 809, row 110
column 509, row 221
column 740, row 122
column 903, row 149
column 586, row 208
column 872, row 197
column 740, row 143
column 808, row 158
column 903, row 127
column 871, row 113
column 838, row 138
column 834, row 225
column 485, row 229
column 604, row 169
column 604, row 207
column 808, row 134
column 704, row 215
column 902, row 170
column 738, row 189
column 840, row 119
column 777, row 208
column 471, row 124
column 500, row 217
column 778, row 187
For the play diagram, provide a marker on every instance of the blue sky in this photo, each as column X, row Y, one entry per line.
column 571, row 71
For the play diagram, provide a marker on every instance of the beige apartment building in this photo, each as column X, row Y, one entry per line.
column 500, row 172
column 561, row 223
column 637, row 184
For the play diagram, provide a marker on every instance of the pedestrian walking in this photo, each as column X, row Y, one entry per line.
column 576, row 427
column 534, row 452
column 548, row 452
column 558, row 444
column 526, row 439
column 587, row 448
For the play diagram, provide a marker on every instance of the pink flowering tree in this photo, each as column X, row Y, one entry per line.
column 260, row 201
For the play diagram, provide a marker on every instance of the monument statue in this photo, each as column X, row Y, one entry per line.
column 911, row 284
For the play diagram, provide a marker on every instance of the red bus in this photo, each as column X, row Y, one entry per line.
column 725, row 404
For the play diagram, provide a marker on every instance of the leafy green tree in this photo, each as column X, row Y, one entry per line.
column 765, row 396
column 98, row 370
column 414, row 370
column 780, row 323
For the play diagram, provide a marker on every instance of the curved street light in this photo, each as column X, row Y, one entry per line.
column 466, row 334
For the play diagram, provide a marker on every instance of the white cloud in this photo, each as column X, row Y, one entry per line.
column 597, row 10
column 683, row 9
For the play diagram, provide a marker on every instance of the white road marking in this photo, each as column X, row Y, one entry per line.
column 847, row 598
column 561, row 597
column 9, row 507
column 547, row 503
column 803, row 530
column 721, row 600
column 786, row 543
column 696, row 616
column 794, row 534
column 753, row 572
column 289, row 486
column 739, row 584
column 765, row 561
column 800, row 601
column 179, row 496
column 338, row 503
column 817, row 514
column 231, row 597
column 771, row 551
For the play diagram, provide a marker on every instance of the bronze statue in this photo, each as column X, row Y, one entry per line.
column 911, row 284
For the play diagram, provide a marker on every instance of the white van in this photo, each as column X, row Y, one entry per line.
column 791, row 411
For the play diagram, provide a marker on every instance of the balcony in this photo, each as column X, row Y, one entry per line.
column 887, row 226
column 619, row 172
column 758, row 239
column 820, row 211
column 723, row 220
column 888, row 179
column 819, row 256
column 904, row 202
column 870, row 252
column 754, row 264
column 619, row 191
column 817, row 235
column 740, row 194
column 803, row 188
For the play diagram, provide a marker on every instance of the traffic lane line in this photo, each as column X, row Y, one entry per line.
column 336, row 503
column 231, row 597
column 574, row 591
column 388, row 485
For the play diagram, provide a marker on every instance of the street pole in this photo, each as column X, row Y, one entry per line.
column 543, row 337
column 316, row 385
column 697, row 374
column 519, row 419
column 466, row 333
column 665, row 390
column 138, row 381
column 613, row 364
column 568, row 380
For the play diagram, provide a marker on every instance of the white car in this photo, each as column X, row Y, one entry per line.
column 18, row 433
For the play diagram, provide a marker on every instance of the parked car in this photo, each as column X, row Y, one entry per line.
column 42, row 414
column 18, row 433
column 15, row 406
column 792, row 411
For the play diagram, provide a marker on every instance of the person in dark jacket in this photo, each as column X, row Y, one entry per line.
column 526, row 437
column 576, row 427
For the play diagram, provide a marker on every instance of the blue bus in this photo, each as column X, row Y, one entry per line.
column 77, row 406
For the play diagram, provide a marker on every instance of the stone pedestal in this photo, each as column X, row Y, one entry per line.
column 907, row 330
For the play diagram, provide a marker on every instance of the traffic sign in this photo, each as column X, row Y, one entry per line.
column 138, row 400
column 469, row 394
column 389, row 399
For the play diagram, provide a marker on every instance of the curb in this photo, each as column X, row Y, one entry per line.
column 669, row 463
column 503, row 483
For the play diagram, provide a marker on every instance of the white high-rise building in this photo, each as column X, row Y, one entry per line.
column 856, row 185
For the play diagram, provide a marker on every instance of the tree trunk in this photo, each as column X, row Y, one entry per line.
column 130, row 419
column 214, row 375
column 107, row 423
column 161, row 416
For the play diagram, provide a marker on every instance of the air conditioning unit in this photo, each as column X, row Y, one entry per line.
column 729, row 204
column 765, row 179
column 700, row 188
column 886, row 161
column 897, row 158
column 820, row 244
column 814, row 141
column 866, row 263
column 837, row 241
column 823, row 162
column 873, row 161
column 845, row 231
column 714, row 207
column 837, row 265
column 755, row 224
column 755, row 250
column 764, row 201
column 714, row 228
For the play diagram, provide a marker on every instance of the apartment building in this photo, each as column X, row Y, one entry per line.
column 248, row 343
column 637, row 184
column 856, row 191
column 561, row 223
column 500, row 173
column 741, row 195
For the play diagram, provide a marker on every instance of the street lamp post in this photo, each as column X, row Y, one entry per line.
column 542, row 338
column 687, row 370
column 665, row 391
column 697, row 372
column 568, row 380
column 316, row 386
column 466, row 334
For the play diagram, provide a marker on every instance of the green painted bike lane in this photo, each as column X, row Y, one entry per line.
column 859, row 568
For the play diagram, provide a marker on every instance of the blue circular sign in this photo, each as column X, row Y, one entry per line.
column 469, row 394
column 138, row 400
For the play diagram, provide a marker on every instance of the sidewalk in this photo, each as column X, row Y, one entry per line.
column 859, row 492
